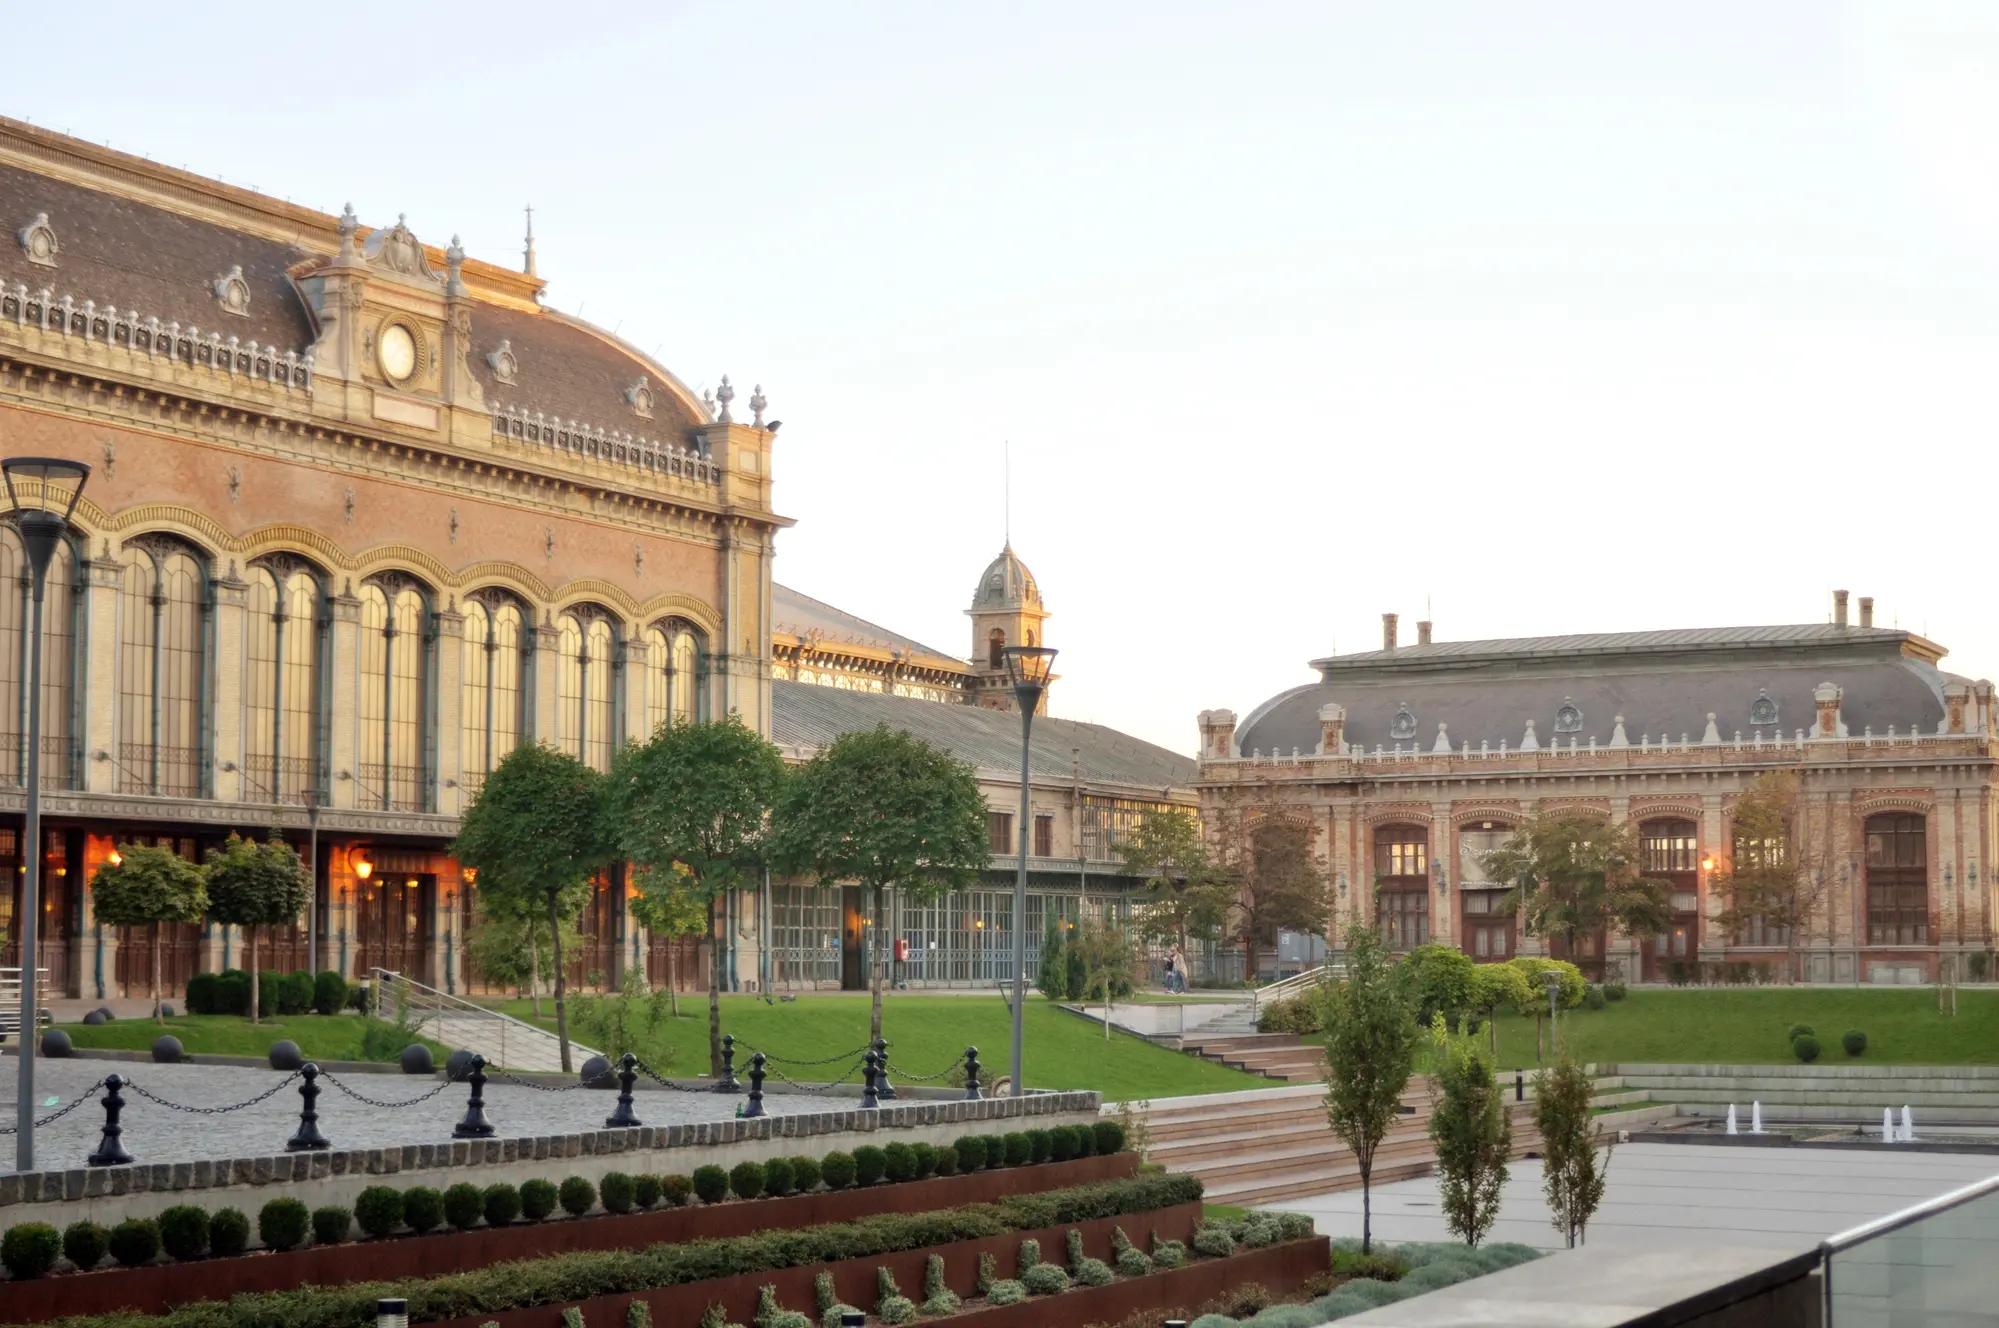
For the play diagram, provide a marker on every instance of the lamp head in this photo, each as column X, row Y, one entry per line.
column 49, row 485
column 1029, row 667
column 363, row 868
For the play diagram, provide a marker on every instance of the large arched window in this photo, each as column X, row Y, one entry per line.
column 397, row 633
column 62, row 609
column 164, row 606
column 1402, row 880
column 284, row 643
column 588, row 671
column 1898, row 880
column 1669, row 851
column 676, row 674
column 496, row 669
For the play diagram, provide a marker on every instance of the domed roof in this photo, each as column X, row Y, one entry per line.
column 1006, row 584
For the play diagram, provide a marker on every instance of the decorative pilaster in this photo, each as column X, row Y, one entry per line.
column 100, row 703
column 450, row 699
column 231, row 600
column 546, row 653
column 1443, row 876
column 1713, row 837
column 639, row 682
column 343, row 723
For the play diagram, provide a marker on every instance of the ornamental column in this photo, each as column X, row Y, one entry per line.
column 232, row 782
column 344, row 696
column 546, row 656
column 1713, row 947
column 450, row 697
column 103, row 577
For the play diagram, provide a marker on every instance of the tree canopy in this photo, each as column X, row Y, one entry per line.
column 1371, row 1039
column 1278, row 887
column 254, row 884
column 145, row 885
column 1770, row 882
column 1187, row 895
column 1575, row 873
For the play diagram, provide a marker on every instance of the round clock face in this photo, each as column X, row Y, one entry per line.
column 395, row 351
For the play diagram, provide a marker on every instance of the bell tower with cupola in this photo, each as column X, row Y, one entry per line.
column 1006, row 611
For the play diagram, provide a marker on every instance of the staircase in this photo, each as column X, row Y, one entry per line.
column 1284, row 1056
column 503, row 1040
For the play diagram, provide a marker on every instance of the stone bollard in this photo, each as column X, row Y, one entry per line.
column 870, row 1099
column 110, row 1153
column 308, row 1135
column 756, row 1107
column 728, row 1083
column 883, row 1088
column 971, row 1074
column 622, row 1118
column 475, row 1125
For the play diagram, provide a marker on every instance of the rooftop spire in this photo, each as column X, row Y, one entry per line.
column 527, row 259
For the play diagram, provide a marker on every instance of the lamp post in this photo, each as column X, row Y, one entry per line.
column 312, row 881
column 43, row 492
column 1028, row 667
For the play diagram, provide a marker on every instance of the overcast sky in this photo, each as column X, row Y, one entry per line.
column 1551, row 317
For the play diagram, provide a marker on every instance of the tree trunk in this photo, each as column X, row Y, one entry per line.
column 1366, row 1204
column 877, row 963
column 561, row 983
column 672, row 976
column 250, row 939
column 714, row 989
column 158, row 1018
column 534, row 970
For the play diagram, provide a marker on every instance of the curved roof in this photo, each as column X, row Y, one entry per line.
column 798, row 613
column 1006, row 584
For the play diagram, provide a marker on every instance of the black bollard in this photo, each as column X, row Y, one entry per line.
column 628, row 1073
column 883, row 1088
column 475, row 1125
column 308, row 1135
column 1519, row 1086
column 971, row 1074
column 756, row 1107
column 869, row 1098
column 109, row 1152
column 728, row 1083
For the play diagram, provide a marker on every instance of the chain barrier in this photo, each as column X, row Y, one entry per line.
column 817, row 1088
column 214, row 1111
column 596, row 1081
column 825, row 1060
column 706, row 1090
column 328, row 1076
column 60, row 1112
column 953, row 1067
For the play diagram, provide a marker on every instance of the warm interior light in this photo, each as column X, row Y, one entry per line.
column 1707, row 863
column 116, row 859
column 363, row 868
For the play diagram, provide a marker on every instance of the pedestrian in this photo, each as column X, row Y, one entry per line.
column 1176, row 969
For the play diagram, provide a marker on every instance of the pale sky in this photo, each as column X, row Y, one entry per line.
column 1555, row 317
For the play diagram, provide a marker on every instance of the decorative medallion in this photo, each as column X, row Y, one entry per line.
column 233, row 293
column 398, row 250
column 38, row 241
column 1762, row 711
column 1568, row 719
column 639, row 395
column 503, row 364
column 1404, row 723
column 396, row 352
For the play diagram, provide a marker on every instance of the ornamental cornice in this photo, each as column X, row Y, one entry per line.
column 1868, row 802
column 1463, row 815
column 1595, row 806
column 229, row 815
column 1653, row 809
column 1416, row 813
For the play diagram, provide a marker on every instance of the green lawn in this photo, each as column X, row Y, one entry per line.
column 1750, row 1026
column 320, row 1037
column 926, row 1034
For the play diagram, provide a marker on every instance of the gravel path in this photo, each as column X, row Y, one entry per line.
column 154, row 1133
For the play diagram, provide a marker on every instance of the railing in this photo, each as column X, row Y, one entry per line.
column 497, row 1033
column 404, row 785
column 1928, row 1264
column 10, row 999
column 177, row 774
column 1330, row 971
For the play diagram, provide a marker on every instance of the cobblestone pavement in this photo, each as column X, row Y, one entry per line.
column 154, row 1133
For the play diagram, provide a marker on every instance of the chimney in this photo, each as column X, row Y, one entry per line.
column 1423, row 633
column 1839, row 608
column 1867, row 610
column 1388, row 631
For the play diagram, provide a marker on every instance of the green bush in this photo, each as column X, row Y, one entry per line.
column 1806, row 1048
column 1062, row 1143
column 1095, row 1272
column 30, row 1249
column 1303, row 1014
column 1006, row 1291
column 1019, row 1149
column 1854, row 1041
column 538, row 1199
column 232, row 992
column 646, row 1191
column 1045, row 1279
column 282, row 1224
column 379, row 1210
column 947, row 1160
column 423, row 1209
column 84, row 1244
column 184, row 1232
column 746, row 1180
column 200, row 995
column 1109, row 1137
column 329, row 993
column 1168, row 1253
column 926, row 1159
column 1801, row 1030
column 869, row 1164
column 464, row 1205
column 891, row 1306
column 777, row 1177
column 1615, row 991
column 677, row 1190
column 804, row 1174
column 617, row 1191
column 1439, row 978
column 837, row 1170
column 228, row 1233
column 1086, row 1140
column 898, row 1163
column 1133, row 1262
column 331, row 1224
column 1593, row 997
column 1213, row 1241
column 501, row 1203
column 711, row 1184
column 136, row 1240
column 1040, row 1143
column 995, row 1151
column 577, row 1195
column 971, row 1152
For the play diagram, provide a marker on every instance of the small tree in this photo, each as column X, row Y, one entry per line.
column 1110, row 962
column 144, row 886
column 1053, row 974
column 1572, row 1168
column 252, row 885
column 1773, row 879
column 510, row 943
column 1277, row 885
column 885, row 810
column 1370, row 1052
column 1575, row 873
column 1496, row 987
column 535, row 833
column 1187, row 895
column 1469, row 1126
column 668, row 905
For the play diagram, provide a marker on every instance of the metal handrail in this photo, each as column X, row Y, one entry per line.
column 432, row 1000
column 1330, row 971
column 1881, row 1226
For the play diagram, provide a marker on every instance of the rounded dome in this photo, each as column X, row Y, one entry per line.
column 1006, row 584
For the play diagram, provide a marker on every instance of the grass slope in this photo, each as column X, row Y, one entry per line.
column 926, row 1033
column 320, row 1037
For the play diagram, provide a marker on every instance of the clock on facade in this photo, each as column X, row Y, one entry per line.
column 395, row 352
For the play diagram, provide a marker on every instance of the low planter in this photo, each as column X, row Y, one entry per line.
column 1280, row 1268
column 159, row 1287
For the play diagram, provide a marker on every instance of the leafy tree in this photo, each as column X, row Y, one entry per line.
column 1187, row 894
column 672, row 908
column 1495, row 987
column 535, row 833
column 510, row 942
column 1440, row 980
column 1572, row 1168
column 692, row 806
column 1053, row 975
column 1575, row 873
column 1772, row 878
column 1110, row 962
column 1570, row 988
column 884, row 810
column 1370, row 1052
column 252, row 885
column 1469, row 1126
column 144, row 886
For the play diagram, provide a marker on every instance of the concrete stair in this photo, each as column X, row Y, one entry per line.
column 1283, row 1056
column 1849, row 1093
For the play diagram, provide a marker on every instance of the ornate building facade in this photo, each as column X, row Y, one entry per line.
column 1406, row 765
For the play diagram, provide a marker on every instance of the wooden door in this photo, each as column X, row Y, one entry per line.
column 392, row 918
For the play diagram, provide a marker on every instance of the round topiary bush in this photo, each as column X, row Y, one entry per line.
column 646, row 1190
column 167, row 1050
column 947, row 1161
column 1086, row 1140
column 746, row 1180
column 836, row 1169
column 971, row 1151
column 1041, row 1143
column 1062, row 1143
column 1133, row 1262
column 577, row 1195
column 538, row 1199
column 711, row 1184
column 416, row 1059
column 329, row 993
column 1615, row 991
column 1800, row 1030
column 1006, row 1291
column 502, row 1203
column 1109, row 1137
column 201, row 993
column 228, row 1233
column 616, row 1190
column 282, row 1224
column 184, row 1232
column 458, row 1066
column 777, row 1177
column 995, row 1151
column 331, row 1225
column 1806, row 1048
column 1213, row 1242
column 136, row 1241
column 379, row 1210
column 1045, row 1279
column 30, row 1249
column 55, row 1044
column 464, row 1205
column 869, row 1164
column 898, row 1163
column 804, row 1174
column 926, row 1159
column 286, row 1056
column 1593, row 997
column 85, row 1244
column 1854, row 1041
column 677, row 1190
column 1095, row 1272
column 423, row 1209
column 1019, row 1149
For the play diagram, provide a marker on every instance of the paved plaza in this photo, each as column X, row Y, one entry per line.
column 154, row 1133
column 1685, row 1194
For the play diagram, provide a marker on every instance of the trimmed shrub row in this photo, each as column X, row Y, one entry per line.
column 1390, row 1275
column 228, row 992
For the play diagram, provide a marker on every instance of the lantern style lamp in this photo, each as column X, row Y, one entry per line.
column 1029, row 669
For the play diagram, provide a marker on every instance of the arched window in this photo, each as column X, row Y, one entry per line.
column 995, row 643
column 499, row 655
column 62, row 609
column 164, row 606
column 1402, row 877
column 397, row 633
column 1898, row 883
column 1669, row 851
column 588, row 671
column 285, row 638
column 676, row 674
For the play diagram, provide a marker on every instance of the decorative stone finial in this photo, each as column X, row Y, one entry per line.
column 455, row 258
column 757, row 404
column 349, row 224
column 725, row 394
